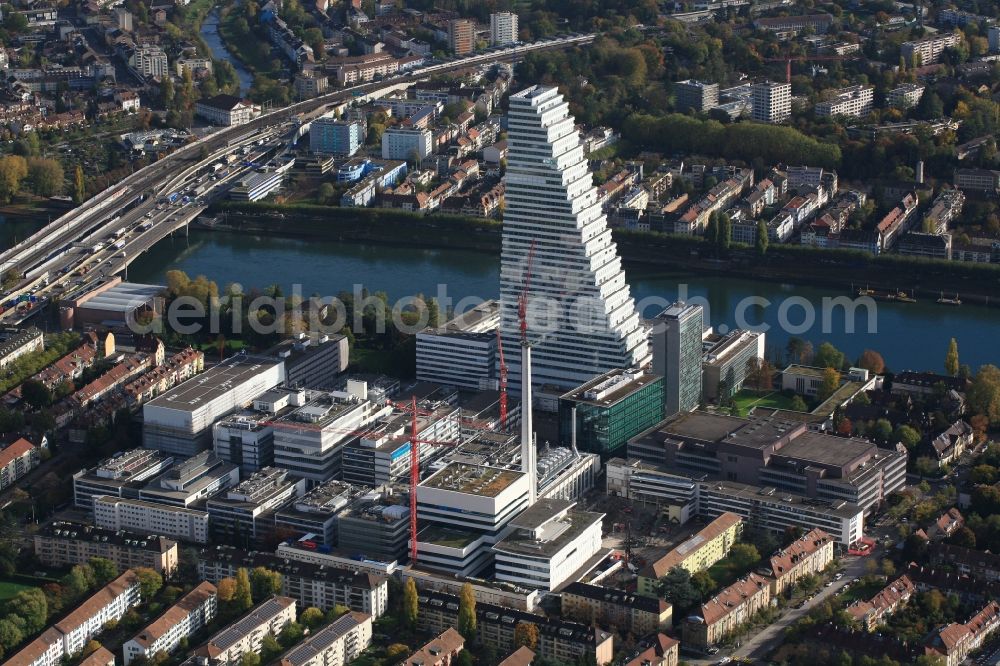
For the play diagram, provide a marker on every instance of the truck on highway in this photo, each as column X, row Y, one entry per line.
column 145, row 226
column 119, row 244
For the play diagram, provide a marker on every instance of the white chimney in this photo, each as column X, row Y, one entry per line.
column 528, row 465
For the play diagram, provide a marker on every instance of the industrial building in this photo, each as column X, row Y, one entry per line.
column 676, row 342
column 112, row 304
column 180, row 421
column 316, row 512
column 244, row 514
column 121, row 475
column 189, row 482
column 462, row 352
column 64, row 544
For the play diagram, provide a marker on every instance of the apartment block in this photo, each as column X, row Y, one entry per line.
column 955, row 641
column 810, row 554
column 503, row 28
column 403, row 143
column 192, row 612
column 440, row 651
column 149, row 61
column 927, row 51
column 696, row 95
column 727, row 611
column 854, row 101
column 63, row 544
column 639, row 614
column 15, row 343
column 17, row 459
column 872, row 612
column 978, row 180
column 336, row 644
column 227, row 646
column 770, row 101
column 462, row 36
column 906, row 95
column 697, row 553
column 335, row 137
column 116, row 513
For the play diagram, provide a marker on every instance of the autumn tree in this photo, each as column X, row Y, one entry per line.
column 226, row 590
column 872, row 361
column 467, row 612
column 150, row 582
column 410, row 603
column 983, row 395
column 830, row 384
column 79, row 185
column 526, row 635
column 264, row 583
column 951, row 363
column 46, row 176
column 244, row 596
column 13, row 170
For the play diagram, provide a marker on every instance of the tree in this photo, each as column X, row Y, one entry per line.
column 78, row 581
column 91, row 647
column 312, row 617
column 31, row 606
column 46, row 176
column 983, row 395
column 526, row 635
column 264, row 583
column 704, row 583
column 325, row 192
column 467, row 612
column 269, row 647
column 828, row 356
column 150, row 582
column 907, row 435
column 104, row 570
column 35, row 393
column 226, row 590
column 831, row 382
column 744, row 555
column 882, row 430
column 396, row 652
column 243, row 597
column 10, row 634
column 291, row 634
column 167, row 91
column 762, row 240
column 871, row 361
column 951, row 363
column 410, row 606
column 79, row 185
column 676, row 588
column 760, row 373
column 13, row 169
column 798, row 404
column 888, row 568
column 250, row 659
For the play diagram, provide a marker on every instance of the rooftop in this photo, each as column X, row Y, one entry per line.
column 214, row 383
column 176, row 614
column 258, row 615
column 446, row 643
column 839, row 509
column 250, row 560
column 549, row 539
column 611, row 387
column 473, row 479
column 81, row 532
column 618, row 597
column 659, row 568
column 121, row 299
column 480, row 320
column 308, row 651
column 103, row 597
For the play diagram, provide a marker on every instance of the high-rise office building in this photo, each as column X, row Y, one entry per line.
column 771, row 101
column 503, row 28
column 336, row 137
column 676, row 343
column 697, row 95
column 462, row 36
column 582, row 318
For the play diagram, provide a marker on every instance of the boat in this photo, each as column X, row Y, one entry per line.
column 949, row 301
column 903, row 297
column 866, row 291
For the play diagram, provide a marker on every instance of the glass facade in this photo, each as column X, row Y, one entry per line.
column 606, row 428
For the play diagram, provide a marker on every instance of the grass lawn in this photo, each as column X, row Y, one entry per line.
column 725, row 572
column 8, row 589
column 746, row 400
column 862, row 591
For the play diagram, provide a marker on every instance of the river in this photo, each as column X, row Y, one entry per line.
column 908, row 335
column 210, row 33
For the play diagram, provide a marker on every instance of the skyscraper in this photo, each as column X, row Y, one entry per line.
column 503, row 28
column 771, row 102
column 582, row 318
column 462, row 36
column 676, row 344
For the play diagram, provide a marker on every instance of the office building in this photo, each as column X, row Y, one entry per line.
column 725, row 361
column 770, row 101
column 853, row 101
column 927, row 51
column 335, row 137
column 905, row 95
column 558, row 640
column 70, row 635
column 552, row 209
column 121, row 475
column 192, row 612
column 191, row 481
column 227, row 646
column 336, row 644
column 462, row 352
column 313, row 360
column 462, row 36
column 464, row 510
column 695, row 95
column 226, row 110
column 63, row 544
column 256, row 186
column 244, row 515
column 377, row 527
column 603, row 414
column 550, row 541
column 676, row 343
column 727, row 612
column 774, row 452
column 17, row 459
column 315, row 513
column 697, row 553
column 321, row 585
column 981, row 180
column 405, row 143
column 993, row 36
column 180, row 421
column 115, row 513
column 245, row 439
column 503, row 28
column 607, row 607
column 15, row 343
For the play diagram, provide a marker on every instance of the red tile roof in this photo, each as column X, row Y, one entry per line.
column 14, row 451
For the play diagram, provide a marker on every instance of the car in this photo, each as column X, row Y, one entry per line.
column 712, row 650
column 839, row 576
column 828, row 583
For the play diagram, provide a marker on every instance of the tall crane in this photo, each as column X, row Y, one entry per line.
column 807, row 58
column 503, row 383
column 522, row 301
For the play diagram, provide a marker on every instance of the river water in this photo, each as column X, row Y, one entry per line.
column 908, row 335
column 210, row 33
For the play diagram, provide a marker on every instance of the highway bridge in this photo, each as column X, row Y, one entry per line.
column 103, row 235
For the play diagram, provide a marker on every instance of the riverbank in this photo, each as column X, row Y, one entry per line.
column 845, row 271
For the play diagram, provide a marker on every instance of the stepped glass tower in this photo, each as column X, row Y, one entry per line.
column 582, row 320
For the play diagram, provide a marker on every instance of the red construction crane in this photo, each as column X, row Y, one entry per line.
column 503, row 383
column 807, row 58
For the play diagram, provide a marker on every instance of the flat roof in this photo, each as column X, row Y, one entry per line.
column 541, row 512
column 122, row 298
column 611, row 387
column 480, row 320
column 838, row 508
column 566, row 529
column 214, row 383
column 825, row 449
column 473, row 479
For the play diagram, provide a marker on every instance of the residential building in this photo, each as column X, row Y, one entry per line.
column 115, row 513
column 404, row 143
column 149, row 61
column 227, row 646
column 548, row 543
column 193, row 65
column 335, row 137
column 927, row 245
column 69, row 635
column 180, row 420
column 192, row 612
column 462, row 36
column 696, row 95
column 946, row 207
column 928, row 50
column 63, row 544
column 872, row 612
column 979, row 564
column 462, row 352
column 100, row 657
column 324, row 586
column 226, row 110
column 601, row 415
column 503, row 28
column 559, row 640
column 977, row 180
column 121, row 475
column 905, row 95
column 853, row 101
column 676, row 343
column 336, row 644
column 17, row 459
column 994, row 38
column 697, row 553
column 793, row 24
column 727, row 611
column 771, row 102
column 15, row 343
column 439, row 651
column 311, row 83
column 725, row 361
column 544, row 147
column 662, row 651
column 953, row 442
column 606, row 607
column 955, row 641
column 808, row 555
column 244, row 514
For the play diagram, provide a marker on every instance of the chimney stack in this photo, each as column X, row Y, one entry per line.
column 528, row 465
